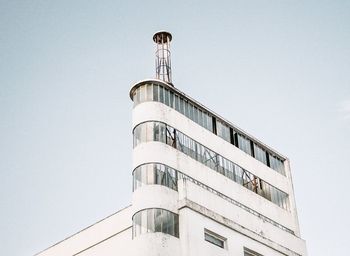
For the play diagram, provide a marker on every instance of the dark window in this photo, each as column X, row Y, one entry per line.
column 171, row 99
column 214, row 125
column 214, row 238
column 166, row 97
column 252, row 148
column 161, row 94
column 248, row 252
column 155, row 92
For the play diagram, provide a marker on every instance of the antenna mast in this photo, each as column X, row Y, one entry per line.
column 163, row 62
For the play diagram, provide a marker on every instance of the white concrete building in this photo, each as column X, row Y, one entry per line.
column 201, row 186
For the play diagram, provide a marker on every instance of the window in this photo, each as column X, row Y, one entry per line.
column 200, row 117
column 136, row 97
column 155, row 220
column 215, row 239
column 155, row 93
column 161, row 94
column 154, row 174
column 186, row 109
column 248, row 252
column 177, row 103
column 142, row 93
column 276, row 164
column 166, row 97
column 149, row 92
column 190, row 111
column 182, row 106
column 149, row 131
column 244, row 144
column 223, row 130
column 260, row 154
column 157, row 131
column 210, row 124
column 171, row 100
column 197, row 114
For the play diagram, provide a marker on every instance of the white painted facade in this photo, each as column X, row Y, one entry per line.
column 204, row 200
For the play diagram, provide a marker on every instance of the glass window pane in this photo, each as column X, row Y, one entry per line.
column 136, row 179
column 200, row 117
column 149, row 169
column 210, row 123
column 177, row 103
column 161, row 94
column 259, row 154
column 158, row 220
column 155, row 92
column 137, row 224
column 142, row 93
column 276, row 164
column 149, row 92
column 155, row 220
column 195, row 114
column 162, row 132
column 214, row 239
column 205, row 120
column 171, row 104
column 156, row 132
column 185, row 108
column 137, row 96
column 165, row 221
column 190, row 110
column 176, row 225
column 143, row 175
column 244, row 144
column 149, row 131
column 248, row 252
column 223, row 130
column 135, row 137
column 170, row 224
column 150, row 221
column 181, row 106
column 166, row 97
column 143, row 222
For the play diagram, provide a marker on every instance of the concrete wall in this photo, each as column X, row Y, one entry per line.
column 230, row 216
column 193, row 225
column 106, row 237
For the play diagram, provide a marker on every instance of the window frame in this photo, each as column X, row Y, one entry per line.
column 249, row 252
column 215, row 239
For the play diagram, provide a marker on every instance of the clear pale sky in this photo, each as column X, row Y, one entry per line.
column 277, row 69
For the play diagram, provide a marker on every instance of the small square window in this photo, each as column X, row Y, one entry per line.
column 215, row 239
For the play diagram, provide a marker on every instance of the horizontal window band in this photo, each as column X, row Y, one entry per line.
column 181, row 175
column 158, row 92
column 159, row 131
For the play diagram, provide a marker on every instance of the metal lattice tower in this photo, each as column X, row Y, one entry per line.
column 163, row 62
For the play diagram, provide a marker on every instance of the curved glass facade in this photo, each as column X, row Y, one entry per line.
column 158, row 131
column 179, row 175
column 159, row 93
column 155, row 220
column 154, row 174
